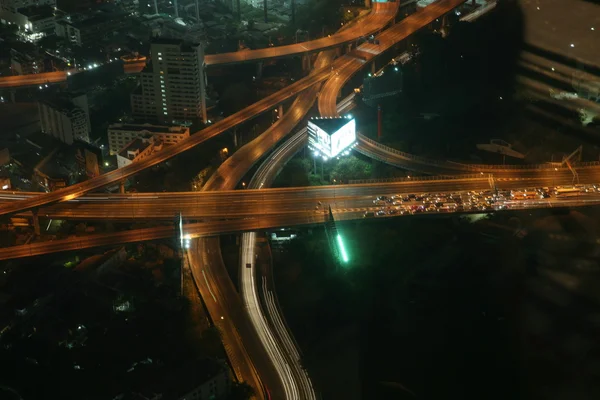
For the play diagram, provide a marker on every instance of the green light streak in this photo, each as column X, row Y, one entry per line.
column 342, row 249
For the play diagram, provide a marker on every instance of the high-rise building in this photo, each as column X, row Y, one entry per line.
column 172, row 86
column 66, row 117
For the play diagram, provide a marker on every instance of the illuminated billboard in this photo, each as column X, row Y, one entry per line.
column 328, row 137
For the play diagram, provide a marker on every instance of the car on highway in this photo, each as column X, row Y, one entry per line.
column 448, row 207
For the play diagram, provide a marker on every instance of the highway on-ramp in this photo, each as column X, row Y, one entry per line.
column 383, row 9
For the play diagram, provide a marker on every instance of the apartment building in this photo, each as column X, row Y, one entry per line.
column 121, row 134
column 172, row 87
column 65, row 117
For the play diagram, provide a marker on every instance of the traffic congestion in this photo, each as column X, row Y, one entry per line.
column 472, row 201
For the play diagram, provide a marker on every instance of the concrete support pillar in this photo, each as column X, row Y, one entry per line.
column 373, row 67
column 175, row 7
column 306, row 63
column 36, row 222
column 280, row 111
column 122, row 187
column 259, row 70
column 13, row 94
column 155, row 7
column 444, row 29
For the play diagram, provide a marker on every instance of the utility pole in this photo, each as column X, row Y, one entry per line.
column 265, row 10
column 293, row 14
column 379, row 122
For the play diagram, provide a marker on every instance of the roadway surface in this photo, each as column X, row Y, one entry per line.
column 33, row 79
column 168, row 152
column 250, row 202
column 280, row 375
column 382, row 11
column 255, row 345
column 411, row 162
column 269, row 324
column 57, row 76
column 367, row 51
column 219, row 227
column 387, row 39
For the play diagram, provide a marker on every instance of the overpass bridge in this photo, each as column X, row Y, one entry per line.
column 228, row 226
column 388, row 37
column 252, row 202
column 49, row 78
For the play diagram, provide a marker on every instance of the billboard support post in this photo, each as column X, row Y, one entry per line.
column 379, row 117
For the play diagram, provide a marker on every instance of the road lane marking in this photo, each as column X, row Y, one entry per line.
column 208, row 286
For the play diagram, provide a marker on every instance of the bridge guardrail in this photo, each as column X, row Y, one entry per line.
column 422, row 178
column 423, row 160
column 472, row 167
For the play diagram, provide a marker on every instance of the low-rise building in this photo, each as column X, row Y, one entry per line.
column 14, row 5
column 66, row 117
column 34, row 21
column 67, row 30
column 120, row 135
column 26, row 63
column 87, row 30
column 137, row 150
column 200, row 380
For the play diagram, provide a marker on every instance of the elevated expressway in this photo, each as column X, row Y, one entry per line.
column 219, row 227
column 371, row 24
column 385, row 11
column 256, row 351
column 16, row 81
column 252, row 202
column 254, row 348
column 381, row 11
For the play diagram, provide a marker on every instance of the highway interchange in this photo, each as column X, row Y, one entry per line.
column 264, row 357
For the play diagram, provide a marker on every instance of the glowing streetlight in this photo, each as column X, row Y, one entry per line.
column 343, row 253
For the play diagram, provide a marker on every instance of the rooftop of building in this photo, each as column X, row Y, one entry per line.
column 185, row 46
column 36, row 13
column 15, row 117
column 97, row 18
column 149, row 127
column 59, row 164
column 330, row 124
column 138, row 144
column 61, row 100
column 190, row 376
